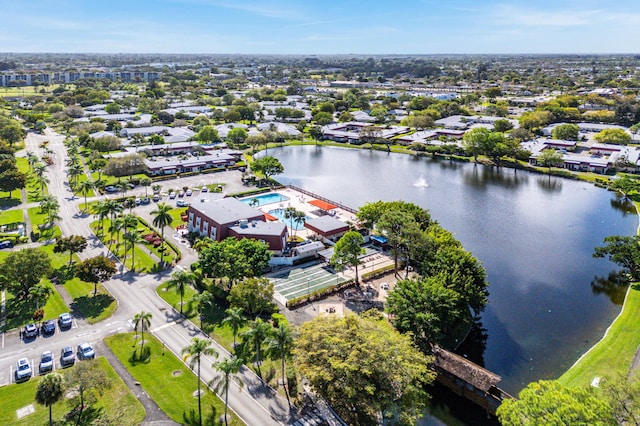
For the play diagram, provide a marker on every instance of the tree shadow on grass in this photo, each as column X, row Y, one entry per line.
column 65, row 273
column 91, row 306
column 140, row 356
column 191, row 418
column 7, row 203
column 89, row 416
column 18, row 312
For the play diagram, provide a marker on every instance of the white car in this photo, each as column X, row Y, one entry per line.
column 384, row 286
column 172, row 195
column 46, row 361
column 23, row 369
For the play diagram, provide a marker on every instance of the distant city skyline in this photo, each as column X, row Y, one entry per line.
column 321, row 27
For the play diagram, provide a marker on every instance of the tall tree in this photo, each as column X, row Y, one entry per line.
column 96, row 270
column 234, row 259
column 279, row 346
column 85, row 187
column 161, row 218
column 624, row 251
column 348, row 250
column 23, row 269
column 49, row 391
column 12, row 179
column 228, row 368
column 201, row 301
column 72, row 244
column 566, row 132
column 179, row 281
column 142, row 322
column 194, row 353
column 235, row 320
column 85, row 380
column 474, row 140
column 41, row 292
column 549, row 158
column 363, row 368
column 253, row 295
column 268, row 166
column 256, row 336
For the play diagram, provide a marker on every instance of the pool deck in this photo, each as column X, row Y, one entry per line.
column 300, row 202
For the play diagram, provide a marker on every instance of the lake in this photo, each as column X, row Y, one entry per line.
column 535, row 236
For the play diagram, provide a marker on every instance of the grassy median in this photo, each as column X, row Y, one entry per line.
column 167, row 380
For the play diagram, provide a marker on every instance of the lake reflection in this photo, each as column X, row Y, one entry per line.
column 534, row 235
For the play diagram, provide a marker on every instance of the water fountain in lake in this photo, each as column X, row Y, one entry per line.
column 421, row 182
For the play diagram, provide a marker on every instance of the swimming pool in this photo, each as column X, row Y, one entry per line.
column 270, row 198
column 279, row 213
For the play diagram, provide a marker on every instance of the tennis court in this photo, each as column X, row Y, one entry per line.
column 301, row 281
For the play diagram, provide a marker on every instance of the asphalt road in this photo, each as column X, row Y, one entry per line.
column 256, row 403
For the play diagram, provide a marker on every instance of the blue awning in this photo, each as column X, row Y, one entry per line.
column 379, row 239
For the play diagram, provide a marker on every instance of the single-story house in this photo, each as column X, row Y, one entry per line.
column 328, row 227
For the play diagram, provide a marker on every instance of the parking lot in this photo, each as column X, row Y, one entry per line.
column 20, row 346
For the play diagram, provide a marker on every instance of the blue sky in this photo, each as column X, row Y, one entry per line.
column 321, row 27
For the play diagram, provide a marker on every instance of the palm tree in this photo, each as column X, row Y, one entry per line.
column 146, row 182
column 200, row 301
column 101, row 209
column 229, row 368
column 132, row 238
column 256, row 335
column 39, row 169
column 290, row 213
column 162, row 218
column 156, row 188
column 32, row 159
column 40, row 292
column 42, row 180
column 142, row 322
column 180, row 280
column 84, row 187
column 114, row 207
column 235, row 320
column 194, row 352
column 49, row 391
column 129, row 203
column 130, row 221
column 202, row 243
column 74, row 171
column 48, row 204
column 279, row 345
column 116, row 226
column 299, row 218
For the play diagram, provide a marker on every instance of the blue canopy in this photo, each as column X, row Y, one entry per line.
column 379, row 239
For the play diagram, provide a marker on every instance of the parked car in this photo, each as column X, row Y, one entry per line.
column 181, row 203
column 65, row 320
column 110, row 189
column 23, row 370
column 30, row 331
column 6, row 244
column 188, row 193
column 67, row 357
column 46, row 362
column 181, row 193
column 85, row 351
column 204, row 189
column 384, row 286
column 48, row 327
column 156, row 198
column 138, row 201
column 172, row 195
column 146, row 200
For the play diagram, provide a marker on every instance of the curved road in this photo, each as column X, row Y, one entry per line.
column 256, row 403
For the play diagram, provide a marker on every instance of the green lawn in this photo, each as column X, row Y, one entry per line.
column 11, row 216
column 167, row 380
column 93, row 308
column 20, row 312
column 615, row 352
column 117, row 402
column 38, row 218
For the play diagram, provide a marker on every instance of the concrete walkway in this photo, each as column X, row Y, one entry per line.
column 154, row 415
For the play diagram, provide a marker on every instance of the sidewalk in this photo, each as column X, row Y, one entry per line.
column 155, row 415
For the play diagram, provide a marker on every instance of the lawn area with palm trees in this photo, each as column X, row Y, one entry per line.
column 158, row 373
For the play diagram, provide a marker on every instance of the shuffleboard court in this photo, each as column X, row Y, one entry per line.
column 301, row 281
